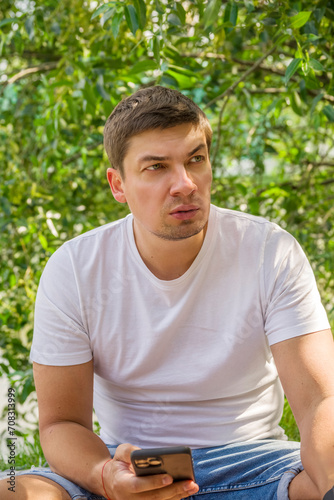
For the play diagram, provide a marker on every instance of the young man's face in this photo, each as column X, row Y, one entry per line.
column 167, row 182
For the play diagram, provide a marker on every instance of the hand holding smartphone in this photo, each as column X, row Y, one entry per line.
column 175, row 461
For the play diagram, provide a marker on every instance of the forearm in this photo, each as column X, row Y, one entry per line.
column 317, row 444
column 76, row 453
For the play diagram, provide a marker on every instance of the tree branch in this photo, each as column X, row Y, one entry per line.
column 244, row 77
column 76, row 156
column 269, row 90
column 219, row 130
column 319, row 163
column 28, row 71
column 253, row 67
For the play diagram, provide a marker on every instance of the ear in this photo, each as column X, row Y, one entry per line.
column 116, row 184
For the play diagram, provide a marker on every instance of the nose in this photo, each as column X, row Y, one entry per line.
column 182, row 183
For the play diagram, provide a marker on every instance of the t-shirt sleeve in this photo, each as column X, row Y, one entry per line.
column 60, row 338
column 292, row 301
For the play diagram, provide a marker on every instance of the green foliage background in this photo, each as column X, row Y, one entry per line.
column 263, row 72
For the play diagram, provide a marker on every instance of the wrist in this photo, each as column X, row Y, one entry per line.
column 329, row 495
column 103, row 477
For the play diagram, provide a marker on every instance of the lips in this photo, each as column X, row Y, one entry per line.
column 184, row 212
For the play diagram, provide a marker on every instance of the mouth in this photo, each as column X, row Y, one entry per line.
column 184, row 212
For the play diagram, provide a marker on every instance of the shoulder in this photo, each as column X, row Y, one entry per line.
column 226, row 214
column 254, row 232
column 112, row 229
column 241, row 222
column 90, row 246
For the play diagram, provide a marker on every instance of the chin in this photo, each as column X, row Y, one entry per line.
column 181, row 233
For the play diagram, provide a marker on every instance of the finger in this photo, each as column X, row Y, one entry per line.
column 149, row 483
column 186, row 488
column 175, row 491
column 123, row 452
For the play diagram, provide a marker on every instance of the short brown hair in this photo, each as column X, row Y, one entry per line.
column 149, row 108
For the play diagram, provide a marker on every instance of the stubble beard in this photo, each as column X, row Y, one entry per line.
column 185, row 230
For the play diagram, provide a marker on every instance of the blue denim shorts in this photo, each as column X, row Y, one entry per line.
column 256, row 470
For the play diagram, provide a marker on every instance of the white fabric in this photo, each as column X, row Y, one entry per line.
column 185, row 361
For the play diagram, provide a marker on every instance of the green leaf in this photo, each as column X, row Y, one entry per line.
column 156, row 48
column 29, row 26
column 101, row 9
column 73, row 110
column 142, row 66
column 107, row 15
column 182, row 80
column 319, row 13
column 131, row 18
column 231, row 13
column 329, row 112
column 174, row 19
column 296, row 103
column 315, row 102
column 101, row 90
column 249, row 4
column 280, row 38
column 43, row 241
column 181, row 13
column 11, row 20
column 230, row 17
column 316, row 65
column 211, row 12
column 269, row 21
column 182, row 71
column 291, row 69
column 115, row 23
column 89, row 96
column 311, row 80
column 299, row 20
column 140, row 7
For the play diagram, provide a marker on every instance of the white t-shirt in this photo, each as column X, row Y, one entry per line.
column 185, row 361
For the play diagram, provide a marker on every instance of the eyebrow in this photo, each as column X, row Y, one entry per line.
column 147, row 158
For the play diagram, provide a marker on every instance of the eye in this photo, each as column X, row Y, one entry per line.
column 156, row 166
column 197, row 159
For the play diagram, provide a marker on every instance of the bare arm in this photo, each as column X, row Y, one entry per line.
column 306, row 368
column 65, row 401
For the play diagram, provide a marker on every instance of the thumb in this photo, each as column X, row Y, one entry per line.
column 123, row 452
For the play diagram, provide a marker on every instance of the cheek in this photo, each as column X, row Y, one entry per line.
column 206, row 180
column 143, row 198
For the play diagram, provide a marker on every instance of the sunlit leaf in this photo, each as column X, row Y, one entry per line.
column 328, row 111
column 315, row 102
column 142, row 66
column 107, row 15
column 115, row 23
column 5, row 22
column 211, row 12
column 316, row 64
column 231, row 13
column 140, row 7
column 101, row 10
column 299, row 20
column 291, row 69
column 131, row 18
column 181, row 12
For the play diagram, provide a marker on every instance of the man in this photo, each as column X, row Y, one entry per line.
column 185, row 314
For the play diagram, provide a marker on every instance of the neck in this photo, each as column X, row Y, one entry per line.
column 167, row 259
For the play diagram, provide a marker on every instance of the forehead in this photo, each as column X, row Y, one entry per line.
column 180, row 139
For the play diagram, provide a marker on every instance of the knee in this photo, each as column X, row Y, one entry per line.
column 29, row 487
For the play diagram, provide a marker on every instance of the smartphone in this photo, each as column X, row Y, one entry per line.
column 175, row 461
